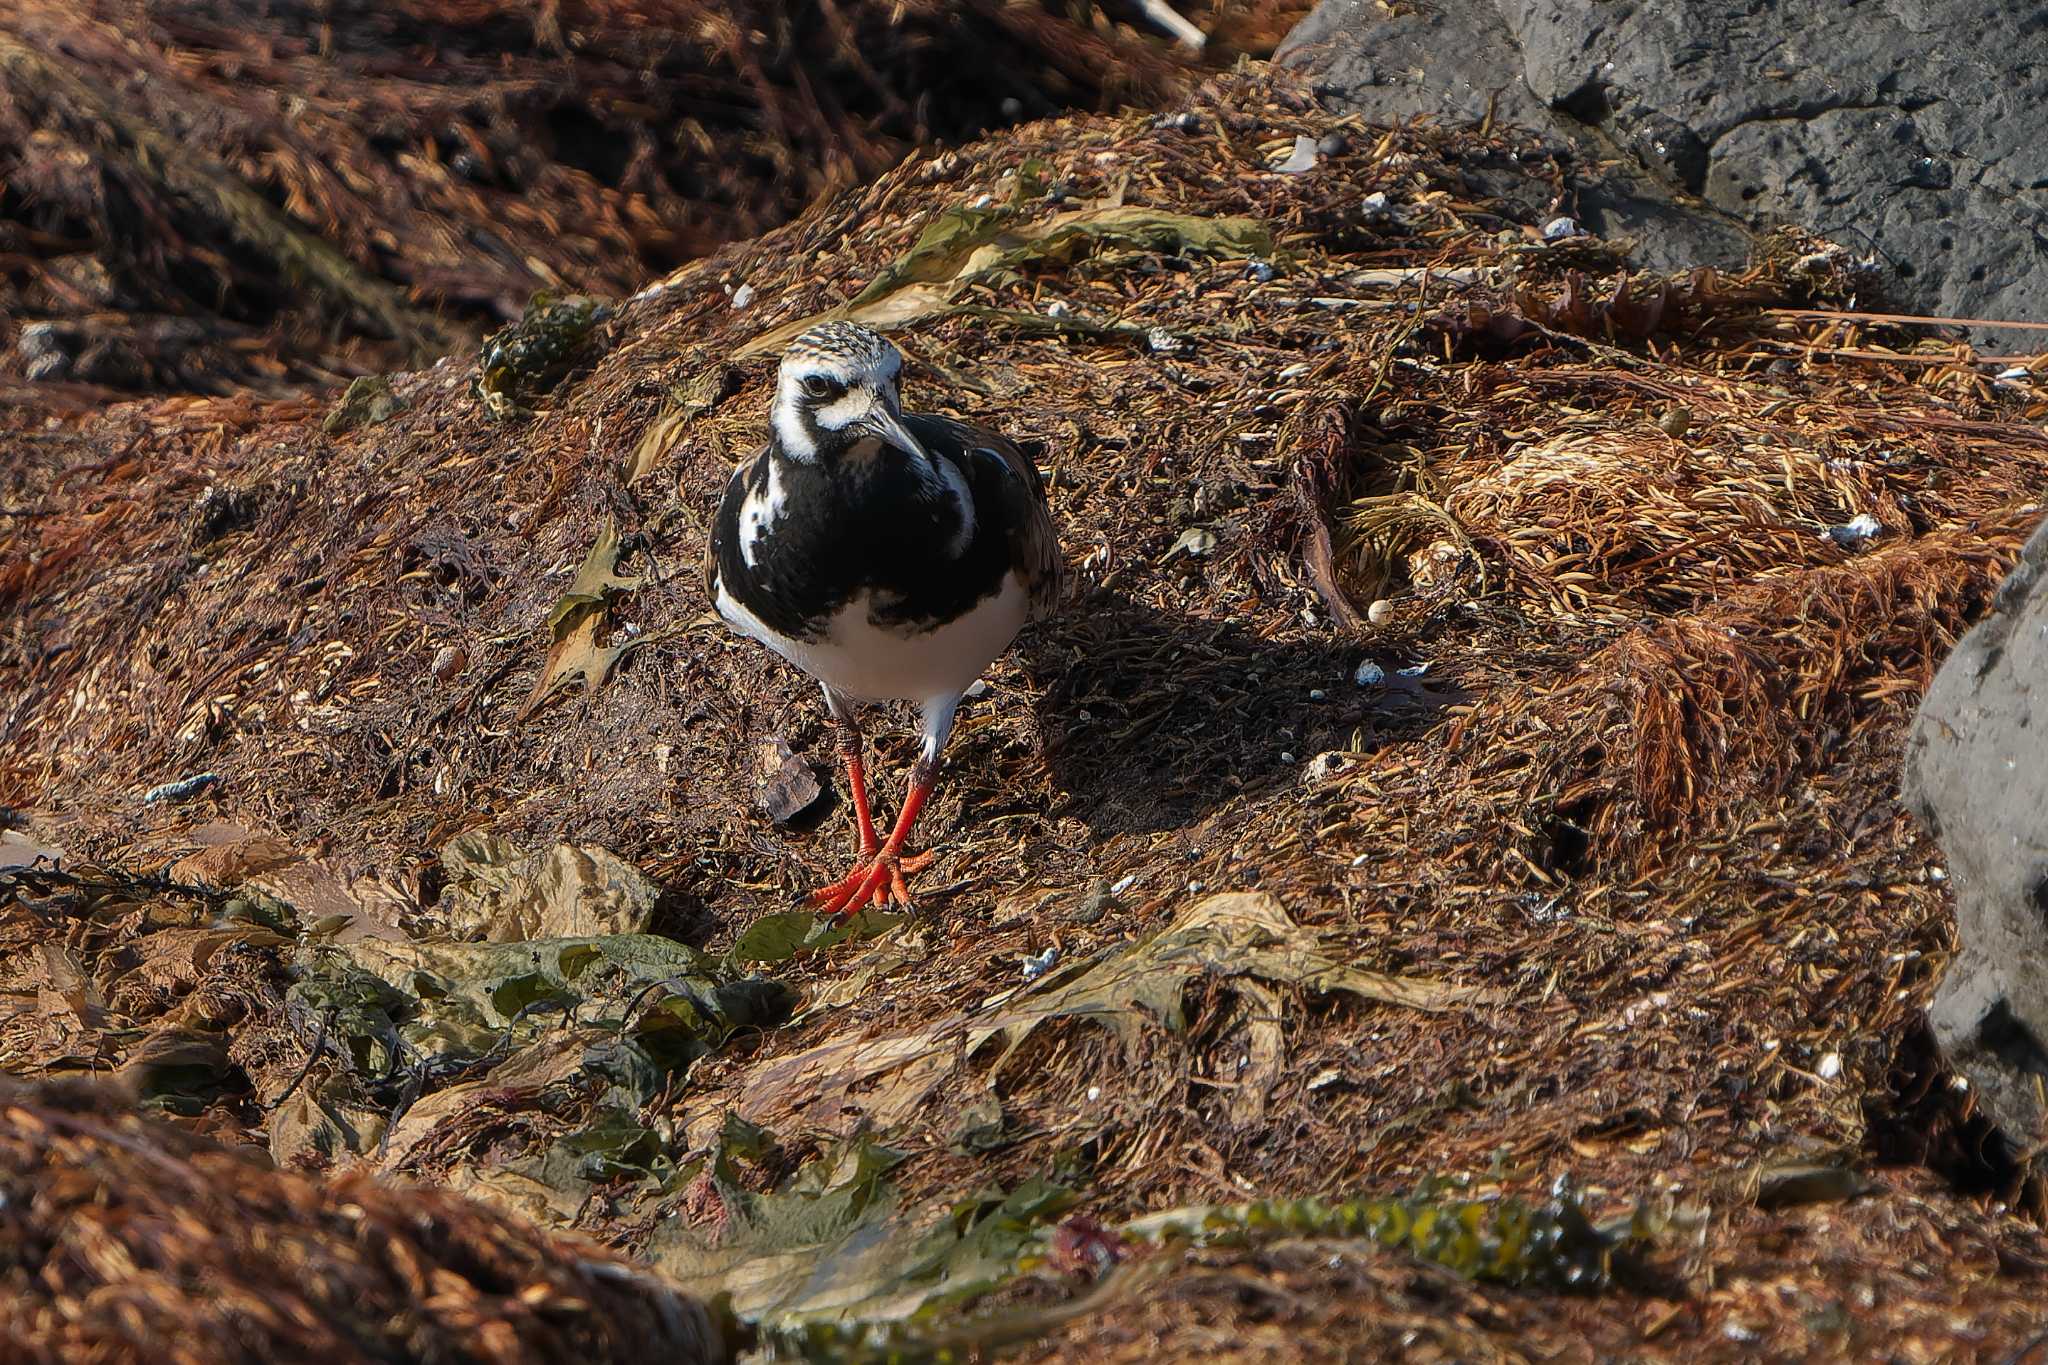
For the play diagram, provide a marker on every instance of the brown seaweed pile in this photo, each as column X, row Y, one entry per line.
column 231, row 197
column 1462, row 782
column 131, row 1240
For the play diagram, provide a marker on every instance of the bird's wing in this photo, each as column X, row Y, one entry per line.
column 1034, row 545
column 735, row 492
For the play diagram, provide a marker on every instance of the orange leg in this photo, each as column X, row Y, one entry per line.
column 879, row 878
column 857, row 784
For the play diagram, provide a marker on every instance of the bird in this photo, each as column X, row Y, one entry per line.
column 892, row 556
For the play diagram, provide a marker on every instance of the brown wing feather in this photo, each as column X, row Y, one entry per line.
column 1034, row 545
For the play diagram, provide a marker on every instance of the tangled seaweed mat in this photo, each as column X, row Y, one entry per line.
column 130, row 1240
column 1500, row 616
column 231, row 195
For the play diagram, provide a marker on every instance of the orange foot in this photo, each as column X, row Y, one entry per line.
column 873, row 882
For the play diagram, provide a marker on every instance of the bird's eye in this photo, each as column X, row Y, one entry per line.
column 817, row 387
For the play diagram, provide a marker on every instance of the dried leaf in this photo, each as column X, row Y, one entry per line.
column 686, row 403
column 784, row 785
column 596, row 581
column 963, row 247
column 496, row 891
column 833, row 1245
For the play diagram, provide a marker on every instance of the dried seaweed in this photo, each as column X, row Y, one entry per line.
column 227, row 195
column 126, row 1239
column 1490, row 673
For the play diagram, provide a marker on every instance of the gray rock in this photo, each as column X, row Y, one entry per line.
column 1976, row 775
column 1913, row 130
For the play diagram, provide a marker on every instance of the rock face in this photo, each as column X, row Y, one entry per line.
column 1916, row 130
column 1977, row 776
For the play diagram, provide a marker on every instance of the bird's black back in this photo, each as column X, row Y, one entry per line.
column 877, row 524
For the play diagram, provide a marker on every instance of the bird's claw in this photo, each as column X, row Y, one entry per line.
column 874, row 882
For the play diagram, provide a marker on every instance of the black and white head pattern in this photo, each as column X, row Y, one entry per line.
column 837, row 385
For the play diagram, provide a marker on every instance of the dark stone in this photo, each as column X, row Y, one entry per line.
column 1915, row 131
column 1976, row 776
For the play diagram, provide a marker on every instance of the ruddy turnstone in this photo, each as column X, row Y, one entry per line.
column 890, row 555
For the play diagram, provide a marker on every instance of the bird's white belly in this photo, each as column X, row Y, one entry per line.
column 868, row 662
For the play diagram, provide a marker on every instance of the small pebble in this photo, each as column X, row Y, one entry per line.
column 448, row 661
column 1333, row 144
column 743, row 296
column 1058, row 308
column 1123, row 884
column 1380, row 612
column 1316, row 694
column 1558, row 229
column 1286, row 757
column 1830, row 1066
column 1012, row 107
column 1258, row 270
column 1369, row 674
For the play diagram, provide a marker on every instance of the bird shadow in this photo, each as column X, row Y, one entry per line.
column 1151, row 718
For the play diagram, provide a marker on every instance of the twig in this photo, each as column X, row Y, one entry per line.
column 1916, row 318
column 319, row 1046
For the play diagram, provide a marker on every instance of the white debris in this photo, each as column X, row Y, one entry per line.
column 1830, row 1066
column 1123, row 884
column 1316, row 694
column 1327, row 765
column 743, row 296
column 1557, row 229
column 1303, row 158
column 1058, row 308
column 1855, row 531
column 1038, row 964
column 1369, row 674
column 2016, row 372
column 1413, row 670
column 1194, row 542
column 1380, row 612
column 976, row 690
column 1161, row 341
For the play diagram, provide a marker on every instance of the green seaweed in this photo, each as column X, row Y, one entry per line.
column 517, row 364
column 1551, row 1244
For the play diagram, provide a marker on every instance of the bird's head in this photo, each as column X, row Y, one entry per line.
column 836, row 389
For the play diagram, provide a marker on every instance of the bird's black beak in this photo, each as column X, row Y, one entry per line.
column 885, row 421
